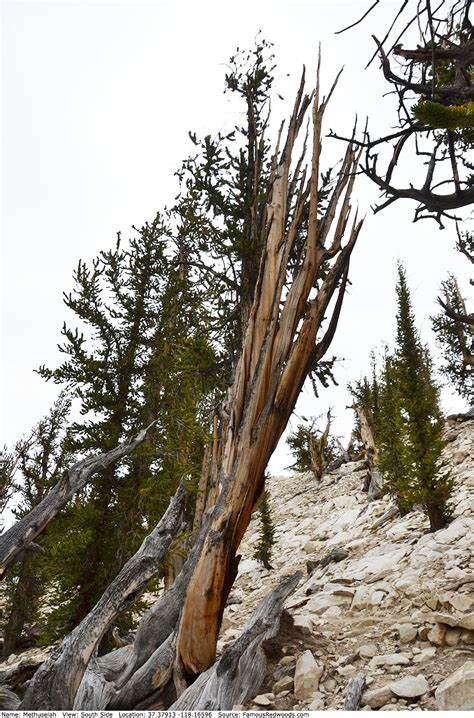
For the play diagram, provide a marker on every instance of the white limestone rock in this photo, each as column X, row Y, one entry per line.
column 307, row 676
column 456, row 692
column 377, row 697
column 407, row 632
column 410, row 686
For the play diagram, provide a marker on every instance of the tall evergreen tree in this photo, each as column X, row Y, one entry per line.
column 142, row 353
column 393, row 454
column 411, row 392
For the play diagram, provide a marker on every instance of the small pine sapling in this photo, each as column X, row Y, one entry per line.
column 266, row 540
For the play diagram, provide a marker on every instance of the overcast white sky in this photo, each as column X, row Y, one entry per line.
column 97, row 101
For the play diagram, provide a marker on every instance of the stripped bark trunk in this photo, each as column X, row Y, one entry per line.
column 318, row 450
column 241, row 670
column 56, row 683
column 278, row 353
column 374, row 482
column 22, row 534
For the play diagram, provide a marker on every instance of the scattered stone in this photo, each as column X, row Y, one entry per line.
column 437, row 634
column 453, row 636
column 407, row 633
column 378, row 697
column 462, row 620
column 284, row 684
column 461, row 602
column 310, row 547
column 377, row 597
column 423, row 632
column 317, row 702
column 368, row 650
column 286, row 660
column 390, row 659
column 467, row 637
column 336, row 555
column 307, row 676
column 304, row 623
column 410, row 687
column 456, row 692
column 330, row 684
column 265, row 699
column 425, row 654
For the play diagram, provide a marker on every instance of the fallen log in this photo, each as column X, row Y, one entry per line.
column 354, row 693
column 21, row 535
column 56, row 683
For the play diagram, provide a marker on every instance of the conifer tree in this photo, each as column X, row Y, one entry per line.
column 142, row 353
column 425, row 481
column 39, row 462
column 393, row 456
column 454, row 328
column 263, row 550
column 312, row 448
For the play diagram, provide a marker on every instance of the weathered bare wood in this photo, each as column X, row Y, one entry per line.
column 241, row 670
column 9, row 700
column 354, row 692
column 278, row 353
column 57, row 681
column 20, row 536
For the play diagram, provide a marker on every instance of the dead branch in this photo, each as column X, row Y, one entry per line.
column 14, row 541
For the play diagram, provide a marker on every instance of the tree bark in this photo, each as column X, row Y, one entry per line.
column 20, row 536
column 241, row 670
column 56, row 683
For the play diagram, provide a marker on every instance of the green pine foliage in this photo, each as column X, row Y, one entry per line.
column 299, row 442
column 142, row 352
column 411, row 426
column 455, row 341
column 266, row 540
column 37, row 463
column 393, row 452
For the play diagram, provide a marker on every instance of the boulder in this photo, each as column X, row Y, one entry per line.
column 407, row 632
column 410, row 687
column 307, row 676
column 377, row 698
column 437, row 634
column 456, row 692
column 368, row 650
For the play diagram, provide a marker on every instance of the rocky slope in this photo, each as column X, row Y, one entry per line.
column 380, row 596
column 398, row 605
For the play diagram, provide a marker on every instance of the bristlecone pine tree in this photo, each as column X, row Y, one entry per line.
column 141, row 352
column 312, row 448
column 304, row 236
column 266, row 533
column 411, row 423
